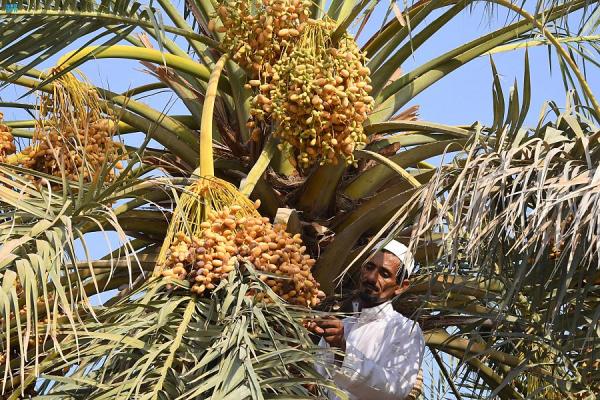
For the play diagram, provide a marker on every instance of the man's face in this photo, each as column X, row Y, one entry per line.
column 378, row 279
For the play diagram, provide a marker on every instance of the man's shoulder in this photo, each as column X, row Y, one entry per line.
column 409, row 325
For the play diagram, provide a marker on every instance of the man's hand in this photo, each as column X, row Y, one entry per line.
column 331, row 329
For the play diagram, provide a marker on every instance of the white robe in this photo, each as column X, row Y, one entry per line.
column 383, row 357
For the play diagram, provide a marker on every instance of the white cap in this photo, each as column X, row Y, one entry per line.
column 400, row 251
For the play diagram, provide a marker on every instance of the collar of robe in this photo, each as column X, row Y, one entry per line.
column 373, row 313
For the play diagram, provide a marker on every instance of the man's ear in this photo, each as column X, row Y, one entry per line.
column 401, row 288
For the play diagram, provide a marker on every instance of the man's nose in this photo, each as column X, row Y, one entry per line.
column 370, row 276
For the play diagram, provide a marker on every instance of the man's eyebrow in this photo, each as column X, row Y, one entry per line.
column 387, row 269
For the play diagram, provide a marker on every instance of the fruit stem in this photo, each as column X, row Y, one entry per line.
column 207, row 167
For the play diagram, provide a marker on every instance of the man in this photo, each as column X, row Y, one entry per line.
column 383, row 349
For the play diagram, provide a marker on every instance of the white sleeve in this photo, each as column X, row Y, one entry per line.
column 391, row 375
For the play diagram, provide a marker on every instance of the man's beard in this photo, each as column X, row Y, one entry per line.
column 369, row 300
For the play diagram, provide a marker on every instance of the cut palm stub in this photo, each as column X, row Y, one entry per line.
column 72, row 136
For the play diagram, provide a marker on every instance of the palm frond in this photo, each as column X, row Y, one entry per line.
column 521, row 208
column 160, row 342
column 45, row 28
column 45, row 283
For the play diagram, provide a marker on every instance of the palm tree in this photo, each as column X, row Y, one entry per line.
column 149, row 341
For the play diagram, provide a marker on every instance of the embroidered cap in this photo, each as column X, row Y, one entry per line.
column 400, row 251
